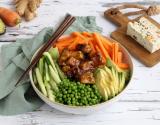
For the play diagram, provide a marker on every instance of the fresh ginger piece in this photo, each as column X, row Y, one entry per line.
column 32, row 5
column 21, row 6
column 29, row 15
column 27, row 8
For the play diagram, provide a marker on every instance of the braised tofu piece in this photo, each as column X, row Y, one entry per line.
column 66, row 68
column 97, row 59
column 77, row 54
column 85, row 48
column 87, row 65
column 73, row 61
column 64, row 56
column 87, row 77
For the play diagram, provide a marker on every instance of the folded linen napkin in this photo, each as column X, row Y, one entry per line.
column 16, row 57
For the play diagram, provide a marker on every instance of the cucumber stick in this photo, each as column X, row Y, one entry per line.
column 49, row 58
column 49, row 91
column 61, row 74
column 54, row 53
column 46, row 72
column 41, row 65
column 53, row 85
column 34, row 77
column 40, row 82
column 54, row 75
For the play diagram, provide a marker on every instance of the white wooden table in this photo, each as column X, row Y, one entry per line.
column 139, row 105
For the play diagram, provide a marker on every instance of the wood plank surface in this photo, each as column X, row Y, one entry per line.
column 139, row 105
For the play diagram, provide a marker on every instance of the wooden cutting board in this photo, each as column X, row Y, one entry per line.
column 130, row 44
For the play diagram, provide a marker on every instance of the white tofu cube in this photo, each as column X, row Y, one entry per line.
column 145, row 33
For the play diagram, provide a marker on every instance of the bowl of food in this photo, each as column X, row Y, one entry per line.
column 82, row 73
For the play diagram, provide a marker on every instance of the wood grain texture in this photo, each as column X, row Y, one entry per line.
column 139, row 105
column 132, row 46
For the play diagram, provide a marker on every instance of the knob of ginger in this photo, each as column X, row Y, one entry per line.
column 27, row 8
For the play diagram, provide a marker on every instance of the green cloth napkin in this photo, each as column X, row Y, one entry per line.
column 16, row 57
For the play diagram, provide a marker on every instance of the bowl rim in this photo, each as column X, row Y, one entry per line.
column 39, row 93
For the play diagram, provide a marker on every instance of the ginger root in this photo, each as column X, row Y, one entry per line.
column 27, row 8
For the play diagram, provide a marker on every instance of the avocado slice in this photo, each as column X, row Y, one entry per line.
column 101, row 87
column 106, row 81
column 121, row 81
column 102, row 90
column 105, row 86
column 2, row 27
column 116, row 80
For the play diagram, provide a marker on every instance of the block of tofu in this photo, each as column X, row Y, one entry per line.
column 145, row 33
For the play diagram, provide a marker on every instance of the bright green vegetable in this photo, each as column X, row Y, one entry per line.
column 54, row 53
column 40, row 82
column 121, row 81
column 101, row 86
column 49, row 92
column 110, row 80
column 50, row 60
column 41, row 66
column 61, row 74
column 46, row 72
column 54, row 75
column 34, row 76
column 53, row 85
column 77, row 94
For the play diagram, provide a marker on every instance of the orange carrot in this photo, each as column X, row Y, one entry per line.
column 64, row 42
column 9, row 17
column 107, row 47
column 67, row 38
column 113, row 52
column 77, row 34
column 105, row 40
column 119, row 57
column 123, row 65
column 92, row 45
column 86, row 34
column 100, row 45
column 116, row 48
column 98, row 50
column 72, row 46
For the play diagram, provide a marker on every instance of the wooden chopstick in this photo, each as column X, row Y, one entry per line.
column 60, row 30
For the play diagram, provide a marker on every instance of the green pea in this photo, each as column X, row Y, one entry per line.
column 72, row 95
column 64, row 96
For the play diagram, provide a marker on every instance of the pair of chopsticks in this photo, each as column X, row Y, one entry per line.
column 56, row 35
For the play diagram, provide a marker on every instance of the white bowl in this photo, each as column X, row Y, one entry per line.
column 86, row 109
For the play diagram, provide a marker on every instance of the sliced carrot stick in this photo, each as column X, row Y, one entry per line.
column 98, row 50
column 92, row 46
column 86, row 34
column 65, row 38
column 105, row 40
column 100, row 45
column 119, row 57
column 123, row 65
column 116, row 48
column 72, row 46
column 77, row 34
column 113, row 52
column 108, row 48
